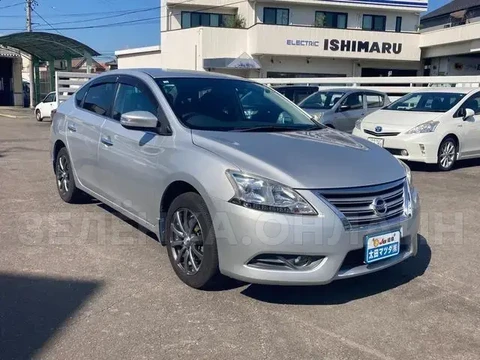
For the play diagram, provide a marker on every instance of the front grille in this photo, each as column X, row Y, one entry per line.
column 370, row 132
column 356, row 204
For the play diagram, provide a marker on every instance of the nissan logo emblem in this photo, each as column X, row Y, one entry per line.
column 378, row 129
column 379, row 206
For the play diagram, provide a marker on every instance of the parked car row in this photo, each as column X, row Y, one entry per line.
column 435, row 126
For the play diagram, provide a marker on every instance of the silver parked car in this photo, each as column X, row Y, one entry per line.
column 340, row 108
column 258, row 192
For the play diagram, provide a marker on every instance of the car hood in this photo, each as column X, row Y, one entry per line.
column 304, row 159
column 392, row 120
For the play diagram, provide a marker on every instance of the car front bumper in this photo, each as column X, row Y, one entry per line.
column 420, row 147
column 243, row 234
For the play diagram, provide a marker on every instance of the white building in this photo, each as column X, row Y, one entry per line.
column 309, row 38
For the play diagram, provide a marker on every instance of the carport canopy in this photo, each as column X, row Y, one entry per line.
column 47, row 46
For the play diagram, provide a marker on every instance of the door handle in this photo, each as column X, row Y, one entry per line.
column 72, row 127
column 106, row 140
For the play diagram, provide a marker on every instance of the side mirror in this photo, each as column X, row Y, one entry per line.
column 139, row 120
column 468, row 114
column 344, row 107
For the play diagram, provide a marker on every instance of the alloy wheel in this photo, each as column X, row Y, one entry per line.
column 63, row 176
column 186, row 241
column 447, row 154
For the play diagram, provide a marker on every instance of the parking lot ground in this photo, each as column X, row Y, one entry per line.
column 78, row 282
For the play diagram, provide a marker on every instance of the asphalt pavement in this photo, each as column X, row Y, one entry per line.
column 80, row 282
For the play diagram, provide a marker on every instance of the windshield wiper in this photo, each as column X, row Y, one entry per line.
column 267, row 128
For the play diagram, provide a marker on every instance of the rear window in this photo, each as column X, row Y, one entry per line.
column 426, row 102
column 99, row 98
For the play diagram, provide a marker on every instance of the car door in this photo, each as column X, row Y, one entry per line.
column 46, row 105
column 470, row 144
column 350, row 109
column 92, row 107
column 128, row 158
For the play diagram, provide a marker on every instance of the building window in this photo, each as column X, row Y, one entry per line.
column 195, row 19
column 276, row 16
column 330, row 20
column 398, row 24
column 374, row 22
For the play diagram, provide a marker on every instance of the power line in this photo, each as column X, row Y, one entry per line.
column 45, row 21
column 12, row 5
column 111, row 16
column 144, row 21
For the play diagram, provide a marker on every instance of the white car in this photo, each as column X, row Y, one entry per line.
column 434, row 126
column 46, row 106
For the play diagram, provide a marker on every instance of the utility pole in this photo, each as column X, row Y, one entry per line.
column 29, row 4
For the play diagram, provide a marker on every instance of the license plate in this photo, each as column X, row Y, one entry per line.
column 381, row 246
column 376, row 141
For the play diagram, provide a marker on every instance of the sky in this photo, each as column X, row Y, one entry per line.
column 63, row 14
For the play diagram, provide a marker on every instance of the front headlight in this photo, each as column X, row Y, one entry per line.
column 427, row 127
column 358, row 124
column 408, row 173
column 266, row 195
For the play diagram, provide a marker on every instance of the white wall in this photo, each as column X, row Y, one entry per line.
column 182, row 49
column 140, row 60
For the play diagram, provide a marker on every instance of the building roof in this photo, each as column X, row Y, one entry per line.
column 147, row 49
column 8, row 53
column 451, row 7
column 47, row 46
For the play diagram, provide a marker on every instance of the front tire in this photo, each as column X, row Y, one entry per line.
column 191, row 242
column 65, row 181
column 447, row 154
column 38, row 115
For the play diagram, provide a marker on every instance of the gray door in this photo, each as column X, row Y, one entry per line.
column 350, row 110
column 83, row 130
column 128, row 158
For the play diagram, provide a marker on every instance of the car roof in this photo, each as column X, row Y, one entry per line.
column 441, row 89
column 172, row 73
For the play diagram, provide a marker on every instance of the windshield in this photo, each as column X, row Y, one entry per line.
column 229, row 104
column 323, row 100
column 426, row 101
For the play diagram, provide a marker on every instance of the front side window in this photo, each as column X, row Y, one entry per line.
column 374, row 22
column 330, row 20
column 99, row 98
column 322, row 100
column 276, row 16
column 374, row 100
column 131, row 98
column 195, row 19
column 49, row 98
column 353, row 101
column 426, row 102
column 473, row 103
column 231, row 105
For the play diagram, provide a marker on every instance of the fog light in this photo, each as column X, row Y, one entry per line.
column 422, row 149
column 404, row 152
column 300, row 261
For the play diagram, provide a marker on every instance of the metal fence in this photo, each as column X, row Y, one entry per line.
column 390, row 85
column 66, row 83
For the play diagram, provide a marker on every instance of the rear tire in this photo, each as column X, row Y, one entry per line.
column 38, row 115
column 447, row 154
column 191, row 242
column 65, row 181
